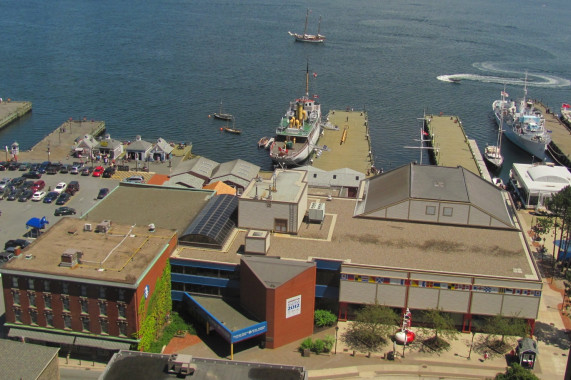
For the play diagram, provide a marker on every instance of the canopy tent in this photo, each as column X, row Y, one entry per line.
column 37, row 223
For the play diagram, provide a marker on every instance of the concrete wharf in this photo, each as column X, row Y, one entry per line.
column 10, row 111
column 451, row 146
column 347, row 139
column 560, row 146
column 58, row 145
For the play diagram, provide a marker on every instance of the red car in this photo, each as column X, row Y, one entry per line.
column 98, row 171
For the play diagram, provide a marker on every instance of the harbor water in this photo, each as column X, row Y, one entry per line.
column 159, row 69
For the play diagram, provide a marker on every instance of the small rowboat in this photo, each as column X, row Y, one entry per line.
column 263, row 142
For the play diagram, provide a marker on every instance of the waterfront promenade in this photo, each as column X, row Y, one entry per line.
column 10, row 111
column 560, row 146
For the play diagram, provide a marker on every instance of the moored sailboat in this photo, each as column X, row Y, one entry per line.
column 493, row 153
column 311, row 38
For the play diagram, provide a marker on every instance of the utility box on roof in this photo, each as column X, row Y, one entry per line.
column 316, row 212
column 257, row 242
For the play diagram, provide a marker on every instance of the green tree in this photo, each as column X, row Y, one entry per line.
column 443, row 327
column 501, row 326
column 516, row 372
column 371, row 329
column 324, row 318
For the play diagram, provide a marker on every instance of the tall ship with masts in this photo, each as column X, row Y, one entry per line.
column 311, row 38
column 298, row 130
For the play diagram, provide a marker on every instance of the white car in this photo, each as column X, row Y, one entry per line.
column 4, row 183
column 60, row 187
column 38, row 196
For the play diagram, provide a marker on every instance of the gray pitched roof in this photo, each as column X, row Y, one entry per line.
column 273, row 272
column 185, row 180
column 238, row 168
column 24, row 360
column 434, row 183
column 199, row 165
column 163, row 145
column 139, row 146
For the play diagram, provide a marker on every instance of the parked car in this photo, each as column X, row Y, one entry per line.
column 98, row 171
column 44, row 167
column 38, row 185
column 23, row 243
column 26, row 195
column 64, row 169
column 86, row 170
column 63, row 198
column 4, row 182
column 134, row 179
column 6, row 256
column 27, row 185
column 24, row 166
column 108, row 172
column 3, row 166
column 64, row 211
column 32, row 174
column 74, row 170
column 60, row 187
column 38, row 196
column 14, row 194
column 13, row 166
column 102, row 193
column 50, row 197
column 17, row 181
column 72, row 188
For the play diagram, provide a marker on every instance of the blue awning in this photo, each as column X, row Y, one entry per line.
column 37, row 222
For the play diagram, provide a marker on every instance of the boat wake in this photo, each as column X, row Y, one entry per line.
column 514, row 78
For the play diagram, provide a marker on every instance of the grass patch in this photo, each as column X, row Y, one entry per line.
column 176, row 325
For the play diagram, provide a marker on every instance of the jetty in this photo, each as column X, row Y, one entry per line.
column 560, row 146
column 451, row 146
column 344, row 143
column 58, row 145
column 11, row 110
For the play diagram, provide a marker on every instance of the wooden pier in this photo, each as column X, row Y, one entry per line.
column 10, row 111
column 560, row 146
column 347, row 143
column 451, row 146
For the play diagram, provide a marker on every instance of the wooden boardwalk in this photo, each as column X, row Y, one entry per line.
column 560, row 146
column 348, row 146
column 10, row 111
column 452, row 147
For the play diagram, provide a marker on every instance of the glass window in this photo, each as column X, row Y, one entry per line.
column 102, row 292
column 49, row 319
column 85, row 322
column 121, row 307
column 14, row 282
column 121, row 294
column 122, row 328
column 34, row 317
column 447, row 211
column 48, row 301
column 104, row 326
column 67, row 321
column 65, row 303
column 16, row 297
column 31, row 283
column 84, row 290
column 84, row 305
column 18, row 315
column 64, row 287
column 32, row 299
column 102, row 308
column 430, row 210
column 46, row 286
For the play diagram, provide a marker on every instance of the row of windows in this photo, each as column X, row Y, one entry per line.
column 84, row 302
column 85, row 321
column 204, row 272
column 446, row 211
column 47, row 286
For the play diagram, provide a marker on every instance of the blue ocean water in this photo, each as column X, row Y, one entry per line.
column 159, row 68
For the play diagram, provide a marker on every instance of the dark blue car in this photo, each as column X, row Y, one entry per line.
column 50, row 197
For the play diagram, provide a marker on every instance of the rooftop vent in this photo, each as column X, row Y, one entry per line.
column 70, row 258
column 104, row 226
column 181, row 365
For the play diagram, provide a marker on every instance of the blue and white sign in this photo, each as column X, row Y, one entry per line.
column 293, row 306
column 147, row 291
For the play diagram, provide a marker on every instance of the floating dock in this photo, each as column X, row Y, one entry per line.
column 10, row 111
column 451, row 146
column 345, row 143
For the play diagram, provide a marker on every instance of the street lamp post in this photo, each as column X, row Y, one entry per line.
column 336, row 331
column 49, row 153
column 471, row 344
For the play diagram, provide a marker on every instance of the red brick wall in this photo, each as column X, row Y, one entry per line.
column 286, row 330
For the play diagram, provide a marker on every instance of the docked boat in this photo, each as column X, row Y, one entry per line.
column 262, row 142
column 493, row 153
column 523, row 124
column 221, row 115
column 298, row 130
column 269, row 143
column 566, row 114
column 311, row 38
column 232, row 129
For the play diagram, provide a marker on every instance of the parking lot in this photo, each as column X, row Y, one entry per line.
column 15, row 214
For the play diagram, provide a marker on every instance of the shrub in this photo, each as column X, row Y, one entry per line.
column 318, row 346
column 324, row 318
column 329, row 341
column 307, row 344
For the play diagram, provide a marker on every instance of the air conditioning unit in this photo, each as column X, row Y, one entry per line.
column 87, row 227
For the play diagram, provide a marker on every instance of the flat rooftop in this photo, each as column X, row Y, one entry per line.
column 286, row 186
column 391, row 244
column 230, row 315
column 124, row 252
column 172, row 208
